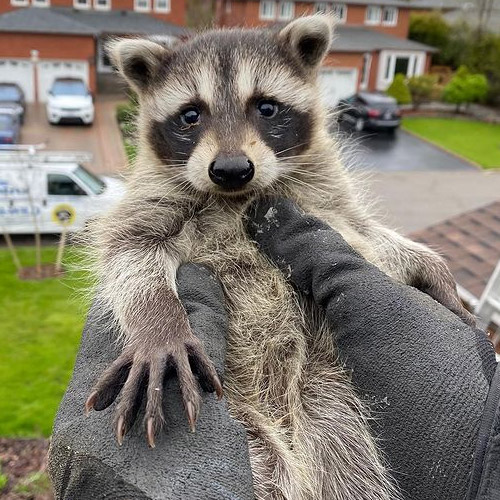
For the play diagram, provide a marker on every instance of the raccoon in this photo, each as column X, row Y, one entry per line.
column 225, row 117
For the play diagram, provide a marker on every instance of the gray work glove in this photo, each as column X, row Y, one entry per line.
column 85, row 460
column 428, row 376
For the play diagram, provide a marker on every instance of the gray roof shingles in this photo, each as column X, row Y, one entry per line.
column 36, row 20
column 91, row 23
column 470, row 242
column 360, row 39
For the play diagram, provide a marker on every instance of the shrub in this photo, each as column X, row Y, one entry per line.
column 421, row 88
column 125, row 112
column 465, row 88
column 399, row 90
column 432, row 30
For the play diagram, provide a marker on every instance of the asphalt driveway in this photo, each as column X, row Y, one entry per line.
column 400, row 152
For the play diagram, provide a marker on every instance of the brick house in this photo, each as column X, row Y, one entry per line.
column 371, row 43
column 44, row 39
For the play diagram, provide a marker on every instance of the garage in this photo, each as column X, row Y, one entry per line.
column 48, row 71
column 19, row 71
column 337, row 83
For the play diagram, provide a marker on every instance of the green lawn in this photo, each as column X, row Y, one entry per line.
column 477, row 141
column 40, row 327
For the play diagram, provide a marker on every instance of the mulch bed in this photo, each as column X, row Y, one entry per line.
column 21, row 458
column 46, row 271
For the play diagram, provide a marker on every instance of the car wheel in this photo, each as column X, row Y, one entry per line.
column 359, row 125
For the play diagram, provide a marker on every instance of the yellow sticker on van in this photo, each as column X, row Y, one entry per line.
column 63, row 214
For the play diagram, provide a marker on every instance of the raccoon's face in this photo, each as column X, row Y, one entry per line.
column 228, row 112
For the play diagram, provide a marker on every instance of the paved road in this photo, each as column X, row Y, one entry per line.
column 102, row 139
column 382, row 152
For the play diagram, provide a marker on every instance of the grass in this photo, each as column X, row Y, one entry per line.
column 3, row 479
column 39, row 334
column 32, row 485
column 476, row 141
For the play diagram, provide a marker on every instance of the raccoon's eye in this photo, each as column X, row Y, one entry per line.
column 267, row 108
column 190, row 116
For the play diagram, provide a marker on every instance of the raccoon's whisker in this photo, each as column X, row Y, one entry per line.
column 305, row 184
column 291, row 147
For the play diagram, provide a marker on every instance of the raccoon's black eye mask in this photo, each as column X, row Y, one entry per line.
column 283, row 128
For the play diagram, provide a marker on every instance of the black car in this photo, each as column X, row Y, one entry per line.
column 11, row 93
column 9, row 128
column 370, row 111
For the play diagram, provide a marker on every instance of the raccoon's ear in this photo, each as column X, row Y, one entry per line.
column 309, row 38
column 137, row 60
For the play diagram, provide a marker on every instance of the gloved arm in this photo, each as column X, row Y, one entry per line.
column 425, row 374
column 210, row 464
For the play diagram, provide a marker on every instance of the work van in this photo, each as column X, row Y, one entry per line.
column 48, row 191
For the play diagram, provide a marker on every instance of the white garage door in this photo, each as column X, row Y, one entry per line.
column 337, row 83
column 48, row 71
column 18, row 71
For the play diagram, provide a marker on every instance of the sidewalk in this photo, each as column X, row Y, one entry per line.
column 409, row 201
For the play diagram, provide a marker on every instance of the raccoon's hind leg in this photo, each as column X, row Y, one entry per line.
column 419, row 266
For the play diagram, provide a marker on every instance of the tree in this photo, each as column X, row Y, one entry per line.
column 483, row 56
column 399, row 90
column 431, row 29
column 465, row 88
column 421, row 88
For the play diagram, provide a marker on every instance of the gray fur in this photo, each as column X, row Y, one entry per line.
column 307, row 429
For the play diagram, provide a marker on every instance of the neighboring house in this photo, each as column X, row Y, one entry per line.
column 44, row 39
column 470, row 243
column 370, row 46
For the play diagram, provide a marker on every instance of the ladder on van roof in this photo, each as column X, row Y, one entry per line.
column 25, row 154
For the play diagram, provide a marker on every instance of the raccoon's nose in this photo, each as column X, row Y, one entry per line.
column 231, row 172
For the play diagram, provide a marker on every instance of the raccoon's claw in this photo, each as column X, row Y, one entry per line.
column 142, row 371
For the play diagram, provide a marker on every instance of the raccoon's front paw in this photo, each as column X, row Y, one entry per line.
column 441, row 287
column 142, row 370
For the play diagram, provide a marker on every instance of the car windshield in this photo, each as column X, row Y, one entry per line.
column 94, row 183
column 5, row 123
column 9, row 93
column 67, row 87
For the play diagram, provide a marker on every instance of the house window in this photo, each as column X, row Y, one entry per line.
column 81, row 4
column 340, row 10
column 267, row 10
column 365, row 71
column 162, row 5
column 19, row 3
column 142, row 5
column 373, row 15
column 40, row 3
column 285, row 10
column 321, row 8
column 102, row 4
column 390, row 16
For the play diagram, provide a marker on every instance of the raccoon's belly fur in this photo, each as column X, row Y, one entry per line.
column 307, row 429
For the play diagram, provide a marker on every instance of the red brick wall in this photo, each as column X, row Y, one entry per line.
column 345, row 60
column 177, row 14
column 17, row 45
column 372, row 81
column 246, row 13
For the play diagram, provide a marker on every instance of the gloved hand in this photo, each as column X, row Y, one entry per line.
column 85, row 460
column 425, row 374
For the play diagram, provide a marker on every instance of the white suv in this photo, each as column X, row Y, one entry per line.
column 70, row 99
